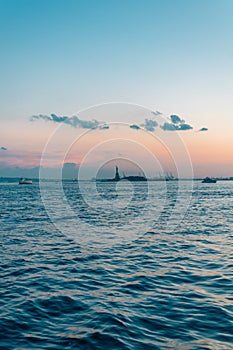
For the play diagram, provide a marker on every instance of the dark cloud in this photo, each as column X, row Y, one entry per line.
column 169, row 127
column 70, row 170
column 175, row 119
column 176, row 123
column 3, row 148
column 149, row 124
column 134, row 126
column 58, row 119
column 73, row 121
column 184, row 126
column 174, row 127
column 203, row 129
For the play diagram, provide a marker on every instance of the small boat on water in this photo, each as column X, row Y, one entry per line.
column 208, row 180
column 24, row 181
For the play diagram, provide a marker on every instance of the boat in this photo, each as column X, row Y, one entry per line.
column 24, row 181
column 208, row 180
column 133, row 178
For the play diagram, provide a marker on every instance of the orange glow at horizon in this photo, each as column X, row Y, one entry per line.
column 205, row 150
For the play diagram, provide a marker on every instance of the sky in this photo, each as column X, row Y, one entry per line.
column 61, row 57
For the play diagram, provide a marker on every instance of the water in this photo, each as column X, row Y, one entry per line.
column 156, row 290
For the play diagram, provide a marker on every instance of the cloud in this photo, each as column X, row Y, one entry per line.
column 175, row 123
column 69, row 171
column 149, row 124
column 184, row 126
column 73, row 121
column 40, row 116
column 3, row 148
column 174, row 127
column 168, row 127
column 104, row 127
column 134, row 126
column 203, row 129
column 176, row 119
column 156, row 113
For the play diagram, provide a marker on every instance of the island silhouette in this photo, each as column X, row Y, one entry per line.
column 117, row 177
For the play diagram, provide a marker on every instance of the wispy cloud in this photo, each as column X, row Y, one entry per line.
column 176, row 123
column 149, row 124
column 203, row 129
column 104, row 127
column 157, row 113
column 3, row 148
column 73, row 121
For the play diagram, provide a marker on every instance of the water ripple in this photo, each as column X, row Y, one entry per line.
column 161, row 291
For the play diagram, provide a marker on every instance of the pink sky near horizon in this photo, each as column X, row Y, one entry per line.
column 209, row 154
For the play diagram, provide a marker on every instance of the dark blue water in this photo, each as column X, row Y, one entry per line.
column 162, row 290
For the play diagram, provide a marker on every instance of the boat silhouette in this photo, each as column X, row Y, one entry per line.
column 24, row 181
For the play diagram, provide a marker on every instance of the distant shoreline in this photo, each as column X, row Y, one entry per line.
column 16, row 179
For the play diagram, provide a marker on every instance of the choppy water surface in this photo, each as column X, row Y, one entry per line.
column 160, row 290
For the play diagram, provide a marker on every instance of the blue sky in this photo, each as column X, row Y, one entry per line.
column 76, row 53
column 60, row 56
